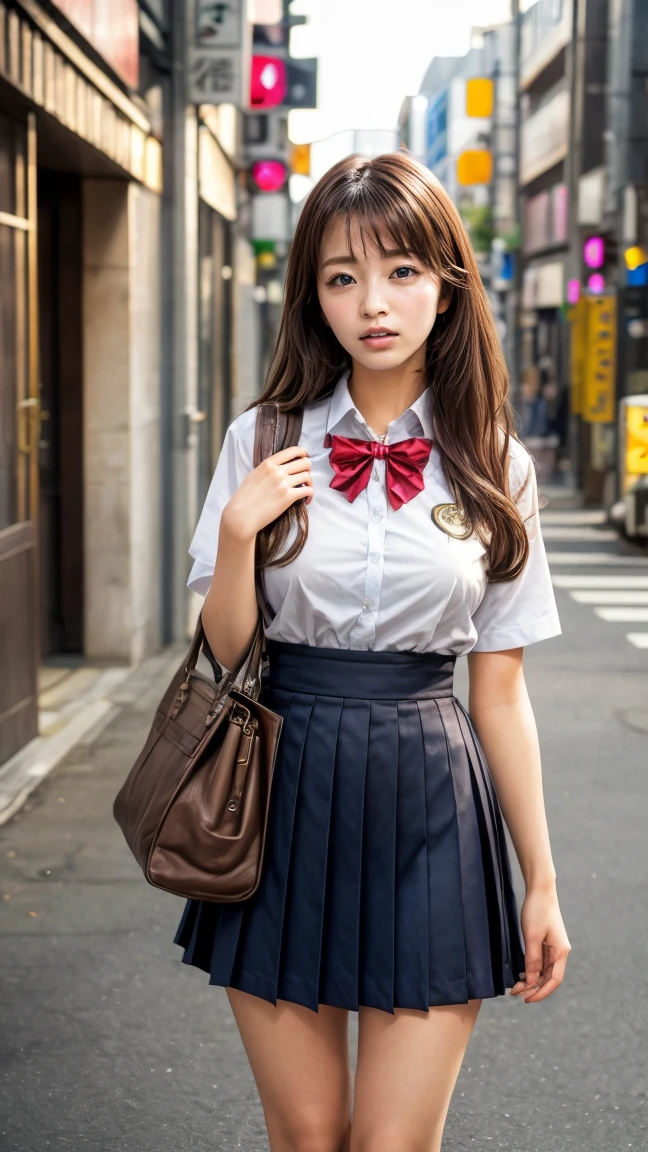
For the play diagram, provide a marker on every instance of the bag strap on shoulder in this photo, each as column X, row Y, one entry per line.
column 275, row 429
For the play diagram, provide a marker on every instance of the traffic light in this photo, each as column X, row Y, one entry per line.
column 276, row 81
column 268, row 82
column 268, row 175
column 302, row 83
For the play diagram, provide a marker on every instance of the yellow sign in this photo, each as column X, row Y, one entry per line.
column 600, row 360
column 636, row 453
column 475, row 167
column 479, row 97
column 634, row 257
column 576, row 316
column 300, row 159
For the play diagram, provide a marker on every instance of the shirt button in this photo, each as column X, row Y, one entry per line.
column 376, row 515
column 374, row 557
column 374, row 475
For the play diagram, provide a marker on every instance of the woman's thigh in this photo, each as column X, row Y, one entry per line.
column 300, row 1062
column 407, row 1068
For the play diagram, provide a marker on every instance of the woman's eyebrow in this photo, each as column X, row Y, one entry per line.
column 348, row 259
column 388, row 254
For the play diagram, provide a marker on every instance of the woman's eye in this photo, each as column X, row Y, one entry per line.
column 404, row 272
column 342, row 280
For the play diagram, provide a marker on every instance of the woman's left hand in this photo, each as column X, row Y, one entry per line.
column 546, row 946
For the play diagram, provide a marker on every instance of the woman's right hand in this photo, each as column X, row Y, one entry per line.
column 267, row 491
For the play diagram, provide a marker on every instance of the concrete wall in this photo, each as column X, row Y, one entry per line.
column 121, row 339
column 246, row 373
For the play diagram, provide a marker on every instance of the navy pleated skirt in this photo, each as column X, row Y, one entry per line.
column 386, row 880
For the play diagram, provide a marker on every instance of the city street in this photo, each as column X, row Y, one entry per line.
column 108, row 1042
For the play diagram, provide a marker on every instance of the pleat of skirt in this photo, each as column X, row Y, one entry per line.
column 386, row 880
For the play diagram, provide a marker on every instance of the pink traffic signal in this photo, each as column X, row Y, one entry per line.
column 268, row 82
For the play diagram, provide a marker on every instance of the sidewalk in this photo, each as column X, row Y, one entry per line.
column 75, row 705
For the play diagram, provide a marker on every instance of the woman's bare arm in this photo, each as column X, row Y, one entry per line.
column 230, row 609
column 501, row 713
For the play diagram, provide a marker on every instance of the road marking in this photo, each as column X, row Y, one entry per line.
column 623, row 615
column 597, row 596
column 577, row 535
column 638, row 639
column 600, row 581
column 592, row 516
column 576, row 559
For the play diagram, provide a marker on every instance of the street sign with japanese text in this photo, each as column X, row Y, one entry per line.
column 219, row 54
column 598, row 405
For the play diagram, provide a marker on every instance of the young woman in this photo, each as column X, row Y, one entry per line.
column 399, row 533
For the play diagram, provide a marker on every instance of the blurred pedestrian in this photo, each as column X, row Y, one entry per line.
column 400, row 532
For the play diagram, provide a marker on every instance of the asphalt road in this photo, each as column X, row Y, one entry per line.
column 108, row 1042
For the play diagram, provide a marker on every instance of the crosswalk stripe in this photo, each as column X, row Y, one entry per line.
column 578, row 518
column 623, row 615
column 602, row 559
column 600, row 581
column 638, row 639
column 599, row 596
column 583, row 534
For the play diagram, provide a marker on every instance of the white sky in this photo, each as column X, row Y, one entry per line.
column 373, row 53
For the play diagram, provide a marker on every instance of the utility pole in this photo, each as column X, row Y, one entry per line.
column 573, row 263
column 514, row 345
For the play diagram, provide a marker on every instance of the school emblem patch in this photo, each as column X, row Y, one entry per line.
column 450, row 519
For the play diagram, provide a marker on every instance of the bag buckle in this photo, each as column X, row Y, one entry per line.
column 242, row 715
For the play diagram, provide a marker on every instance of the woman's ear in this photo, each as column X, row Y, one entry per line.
column 445, row 298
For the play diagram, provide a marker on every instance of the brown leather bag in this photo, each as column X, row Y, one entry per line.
column 194, row 806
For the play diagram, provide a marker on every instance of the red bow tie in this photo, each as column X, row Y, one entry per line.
column 352, row 461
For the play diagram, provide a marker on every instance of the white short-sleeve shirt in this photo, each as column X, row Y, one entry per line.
column 373, row 577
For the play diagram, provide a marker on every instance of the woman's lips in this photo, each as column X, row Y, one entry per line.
column 379, row 339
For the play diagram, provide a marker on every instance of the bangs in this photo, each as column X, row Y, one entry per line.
column 395, row 205
column 392, row 227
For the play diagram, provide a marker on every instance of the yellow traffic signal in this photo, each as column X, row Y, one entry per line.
column 475, row 167
column 300, row 159
column 479, row 97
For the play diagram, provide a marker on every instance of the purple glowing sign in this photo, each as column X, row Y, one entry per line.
column 594, row 252
column 596, row 283
column 573, row 291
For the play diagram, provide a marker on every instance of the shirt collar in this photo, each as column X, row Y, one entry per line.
column 415, row 420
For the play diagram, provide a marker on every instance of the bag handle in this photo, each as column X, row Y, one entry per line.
column 274, row 430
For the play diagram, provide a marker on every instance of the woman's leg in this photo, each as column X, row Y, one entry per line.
column 407, row 1068
column 300, row 1062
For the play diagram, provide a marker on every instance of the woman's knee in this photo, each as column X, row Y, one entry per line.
column 310, row 1129
column 389, row 1138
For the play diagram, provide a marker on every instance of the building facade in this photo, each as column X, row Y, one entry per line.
column 439, row 128
column 546, row 61
column 126, row 298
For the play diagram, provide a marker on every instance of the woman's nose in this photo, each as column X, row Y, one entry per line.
column 374, row 301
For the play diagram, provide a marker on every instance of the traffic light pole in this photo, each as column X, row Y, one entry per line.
column 516, row 365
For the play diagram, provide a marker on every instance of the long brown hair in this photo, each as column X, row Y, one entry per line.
column 396, row 202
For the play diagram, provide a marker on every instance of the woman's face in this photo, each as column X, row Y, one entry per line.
column 380, row 308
